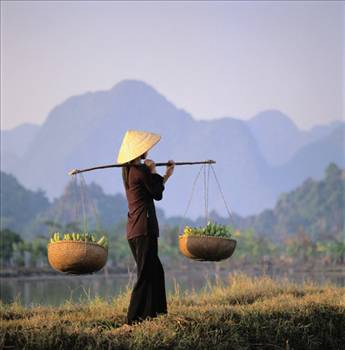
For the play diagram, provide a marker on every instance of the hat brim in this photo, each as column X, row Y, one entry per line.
column 135, row 144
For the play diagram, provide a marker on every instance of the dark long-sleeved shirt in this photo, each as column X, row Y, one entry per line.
column 144, row 187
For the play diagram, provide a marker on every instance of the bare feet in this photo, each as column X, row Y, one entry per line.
column 125, row 328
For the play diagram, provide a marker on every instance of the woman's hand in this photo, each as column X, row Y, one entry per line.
column 169, row 170
column 151, row 165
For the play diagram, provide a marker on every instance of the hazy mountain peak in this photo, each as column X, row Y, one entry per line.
column 277, row 136
column 131, row 88
column 139, row 91
column 274, row 118
column 132, row 84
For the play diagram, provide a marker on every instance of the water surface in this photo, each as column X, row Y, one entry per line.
column 56, row 290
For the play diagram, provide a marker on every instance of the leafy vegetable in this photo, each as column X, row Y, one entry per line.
column 211, row 229
column 84, row 237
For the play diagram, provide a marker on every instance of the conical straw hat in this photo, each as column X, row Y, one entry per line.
column 135, row 143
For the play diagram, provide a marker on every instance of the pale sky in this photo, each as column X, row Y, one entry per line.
column 213, row 59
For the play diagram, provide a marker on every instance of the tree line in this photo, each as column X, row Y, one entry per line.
column 306, row 225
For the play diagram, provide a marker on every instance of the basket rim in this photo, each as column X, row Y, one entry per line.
column 79, row 242
column 206, row 236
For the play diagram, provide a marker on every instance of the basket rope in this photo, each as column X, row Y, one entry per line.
column 87, row 202
column 76, row 206
column 91, row 203
column 59, row 213
column 83, row 204
column 190, row 198
column 206, row 172
column 206, row 188
column 222, row 194
column 79, row 209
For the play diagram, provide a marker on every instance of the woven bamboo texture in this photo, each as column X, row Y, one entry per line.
column 206, row 248
column 76, row 257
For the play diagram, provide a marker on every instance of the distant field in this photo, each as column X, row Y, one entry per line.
column 246, row 313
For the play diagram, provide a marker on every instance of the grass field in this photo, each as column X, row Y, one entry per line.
column 245, row 313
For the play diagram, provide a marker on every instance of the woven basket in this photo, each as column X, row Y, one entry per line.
column 75, row 257
column 206, row 248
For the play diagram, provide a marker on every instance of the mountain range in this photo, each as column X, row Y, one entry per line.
column 256, row 159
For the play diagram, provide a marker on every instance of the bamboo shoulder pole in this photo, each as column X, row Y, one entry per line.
column 77, row 171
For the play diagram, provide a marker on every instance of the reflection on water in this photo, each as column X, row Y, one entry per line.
column 58, row 289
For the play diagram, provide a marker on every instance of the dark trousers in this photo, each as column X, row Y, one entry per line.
column 148, row 297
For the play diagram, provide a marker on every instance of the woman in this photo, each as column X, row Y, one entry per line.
column 143, row 185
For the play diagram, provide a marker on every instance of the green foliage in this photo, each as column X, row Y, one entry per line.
column 211, row 229
column 31, row 213
column 82, row 237
column 309, row 221
column 317, row 207
column 83, row 208
column 168, row 243
column 19, row 206
column 119, row 251
column 334, row 249
column 8, row 239
column 36, row 250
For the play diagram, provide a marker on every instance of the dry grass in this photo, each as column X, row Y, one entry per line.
column 246, row 313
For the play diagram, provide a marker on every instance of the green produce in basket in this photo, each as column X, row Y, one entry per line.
column 83, row 237
column 211, row 229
